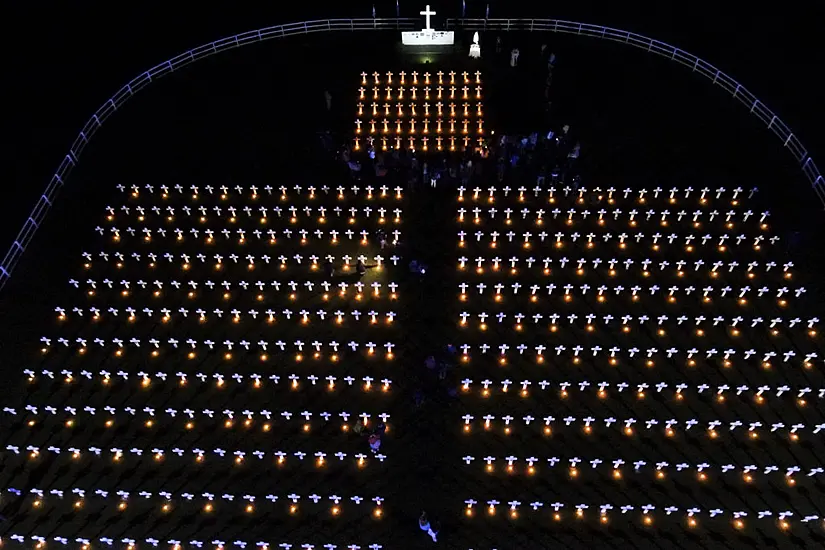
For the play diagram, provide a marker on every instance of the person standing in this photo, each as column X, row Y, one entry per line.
column 514, row 57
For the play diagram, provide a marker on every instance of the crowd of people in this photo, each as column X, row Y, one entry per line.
column 538, row 156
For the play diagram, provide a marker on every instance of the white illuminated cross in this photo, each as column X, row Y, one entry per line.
column 427, row 13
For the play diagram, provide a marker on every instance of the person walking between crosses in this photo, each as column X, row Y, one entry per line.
column 375, row 443
column 424, row 525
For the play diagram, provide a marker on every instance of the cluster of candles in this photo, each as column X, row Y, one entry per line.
column 720, row 393
column 566, row 236
column 226, row 417
column 230, row 214
column 283, row 192
column 289, row 215
column 290, row 289
column 302, row 236
column 615, row 266
column 690, row 516
column 441, row 106
column 439, row 78
column 130, row 543
column 208, row 501
column 703, row 197
column 239, row 458
column 256, row 381
column 303, row 316
column 588, row 425
column 601, row 293
column 186, row 261
column 647, row 357
column 659, row 470
column 682, row 222
column 733, row 325
column 224, row 216
column 451, row 143
column 591, row 240
column 227, row 347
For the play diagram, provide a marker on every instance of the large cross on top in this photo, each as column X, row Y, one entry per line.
column 427, row 13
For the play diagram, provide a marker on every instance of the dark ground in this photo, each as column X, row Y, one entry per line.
column 251, row 118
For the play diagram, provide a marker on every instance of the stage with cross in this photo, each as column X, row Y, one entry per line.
column 428, row 36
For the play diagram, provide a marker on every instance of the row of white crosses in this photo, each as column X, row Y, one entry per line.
column 679, row 390
column 692, row 515
column 191, row 344
column 659, row 469
column 163, row 314
column 592, row 320
column 116, row 454
column 591, row 240
column 411, row 78
column 578, row 353
column 263, row 213
column 220, row 380
column 401, row 109
column 629, row 426
column 287, row 287
column 241, row 235
column 224, row 192
column 206, row 499
column 613, row 266
column 223, row 416
column 130, row 543
column 604, row 215
column 611, row 194
column 412, row 93
column 602, row 292
column 424, row 127
column 118, row 259
column 413, row 142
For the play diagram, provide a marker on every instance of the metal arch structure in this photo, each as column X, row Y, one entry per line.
column 125, row 93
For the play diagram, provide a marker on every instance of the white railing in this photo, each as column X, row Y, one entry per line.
column 739, row 92
column 125, row 93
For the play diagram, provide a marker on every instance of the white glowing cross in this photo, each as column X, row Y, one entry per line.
column 427, row 13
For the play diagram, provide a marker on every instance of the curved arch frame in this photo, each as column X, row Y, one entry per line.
column 124, row 94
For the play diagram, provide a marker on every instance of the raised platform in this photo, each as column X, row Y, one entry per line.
column 428, row 38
